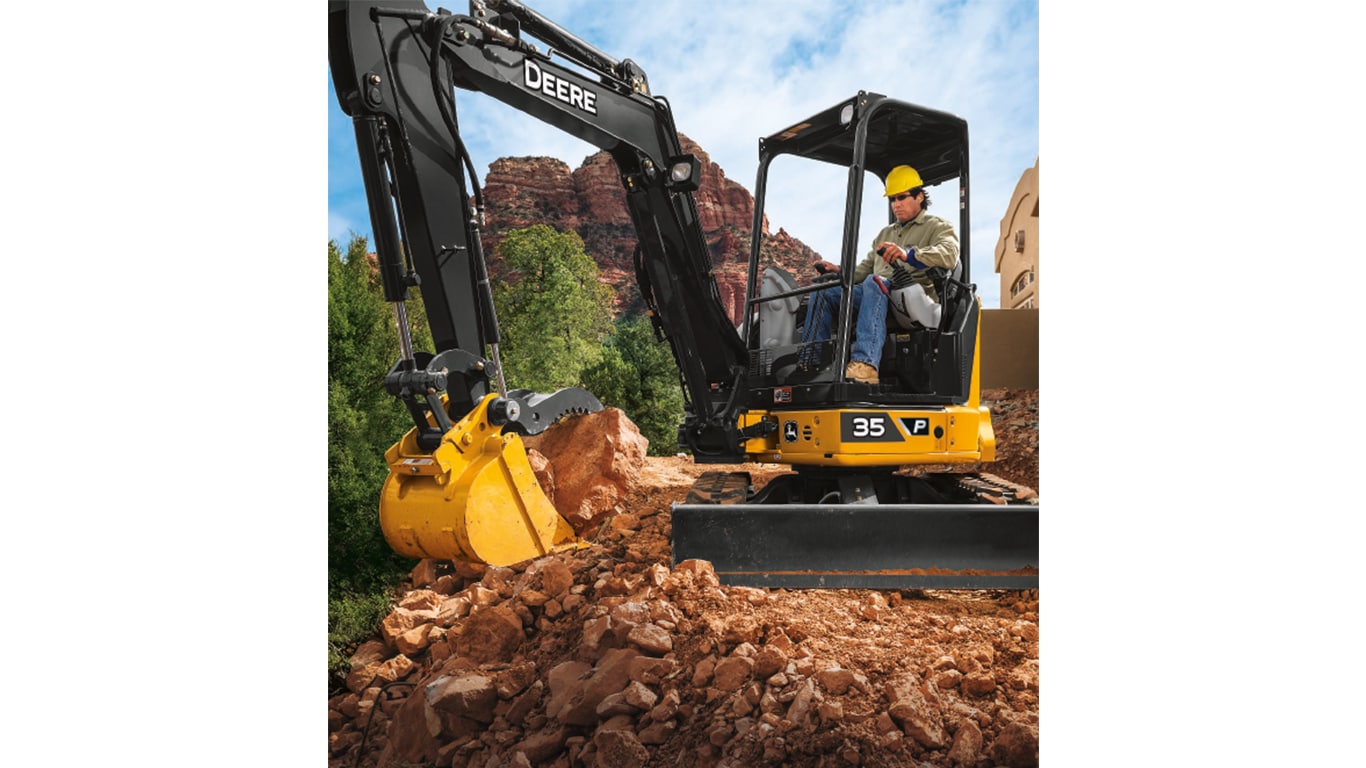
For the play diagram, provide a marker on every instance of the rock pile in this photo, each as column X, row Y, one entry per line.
column 613, row 656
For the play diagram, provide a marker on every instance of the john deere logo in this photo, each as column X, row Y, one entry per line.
column 559, row 89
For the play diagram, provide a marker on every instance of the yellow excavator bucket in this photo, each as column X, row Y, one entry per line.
column 475, row 498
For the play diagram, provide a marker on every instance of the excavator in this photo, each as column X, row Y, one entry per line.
column 880, row 494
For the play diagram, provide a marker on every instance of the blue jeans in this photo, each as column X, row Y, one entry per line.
column 870, row 310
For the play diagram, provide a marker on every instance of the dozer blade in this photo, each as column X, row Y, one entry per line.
column 475, row 498
column 863, row 546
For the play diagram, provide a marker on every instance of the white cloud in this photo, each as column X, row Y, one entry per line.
column 340, row 228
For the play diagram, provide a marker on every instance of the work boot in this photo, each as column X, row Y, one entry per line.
column 861, row 372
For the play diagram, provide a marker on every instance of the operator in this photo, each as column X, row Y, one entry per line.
column 901, row 255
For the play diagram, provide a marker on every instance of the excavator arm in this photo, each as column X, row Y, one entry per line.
column 397, row 67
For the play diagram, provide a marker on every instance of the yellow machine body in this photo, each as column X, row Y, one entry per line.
column 879, row 436
column 475, row 498
column 875, row 437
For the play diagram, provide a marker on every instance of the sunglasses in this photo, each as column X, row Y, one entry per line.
column 904, row 195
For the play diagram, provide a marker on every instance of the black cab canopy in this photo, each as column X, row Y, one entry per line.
column 933, row 142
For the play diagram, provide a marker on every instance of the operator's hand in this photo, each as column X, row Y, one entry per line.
column 892, row 253
column 825, row 268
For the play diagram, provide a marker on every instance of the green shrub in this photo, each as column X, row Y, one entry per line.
column 352, row 618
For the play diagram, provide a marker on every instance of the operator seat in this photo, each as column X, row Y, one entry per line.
column 908, row 313
column 777, row 318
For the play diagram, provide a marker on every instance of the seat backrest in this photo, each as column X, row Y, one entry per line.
column 906, row 313
column 777, row 318
column 955, row 276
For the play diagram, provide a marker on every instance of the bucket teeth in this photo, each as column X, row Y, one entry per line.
column 537, row 411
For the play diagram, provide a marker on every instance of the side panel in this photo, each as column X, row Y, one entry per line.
column 870, row 437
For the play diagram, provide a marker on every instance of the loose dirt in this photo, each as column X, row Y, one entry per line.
column 718, row 676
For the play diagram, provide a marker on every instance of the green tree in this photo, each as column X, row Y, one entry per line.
column 363, row 420
column 639, row 375
column 552, row 311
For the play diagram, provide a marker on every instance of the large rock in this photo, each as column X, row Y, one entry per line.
column 541, row 746
column 414, row 734
column 732, row 672
column 611, row 675
column 490, row 635
column 365, row 664
column 468, row 695
column 556, row 577
column 596, row 459
column 1017, row 746
column 915, row 706
column 620, row 749
column 401, row 620
column 967, row 744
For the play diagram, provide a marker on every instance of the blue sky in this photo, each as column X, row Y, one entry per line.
column 734, row 72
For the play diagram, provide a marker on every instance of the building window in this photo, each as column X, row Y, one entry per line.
column 1022, row 282
column 1019, row 241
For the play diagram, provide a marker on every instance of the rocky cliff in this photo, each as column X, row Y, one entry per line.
column 522, row 191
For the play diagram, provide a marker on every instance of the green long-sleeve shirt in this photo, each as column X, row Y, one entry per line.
column 935, row 243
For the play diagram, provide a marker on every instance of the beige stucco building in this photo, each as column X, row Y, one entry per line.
column 1017, row 250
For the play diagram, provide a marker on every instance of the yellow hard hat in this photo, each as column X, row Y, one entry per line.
column 902, row 178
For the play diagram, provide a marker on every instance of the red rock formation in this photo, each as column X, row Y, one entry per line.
column 598, row 186
column 521, row 191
